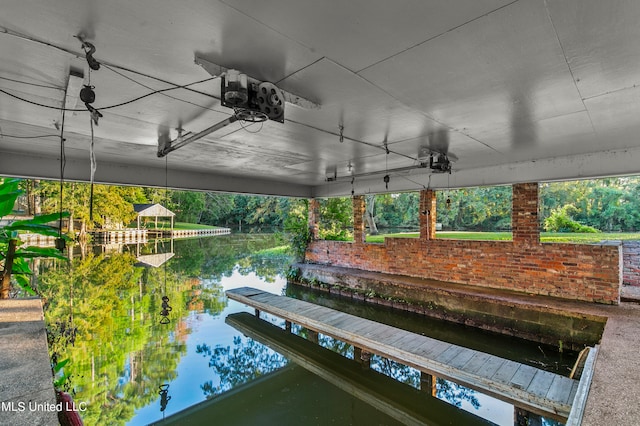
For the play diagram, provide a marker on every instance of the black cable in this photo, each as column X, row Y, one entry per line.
column 28, row 83
column 92, row 154
column 109, row 106
column 164, row 94
column 63, row 161
column 4, row 135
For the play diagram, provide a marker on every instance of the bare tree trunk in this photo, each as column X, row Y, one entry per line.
column 369, row 214
column 8, row 267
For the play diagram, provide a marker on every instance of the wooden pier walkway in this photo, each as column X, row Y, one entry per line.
column 533, row 389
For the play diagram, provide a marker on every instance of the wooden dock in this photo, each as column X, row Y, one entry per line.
column 533, row 389
column 187, row 233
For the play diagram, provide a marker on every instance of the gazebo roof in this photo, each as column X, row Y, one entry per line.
column 152, row 210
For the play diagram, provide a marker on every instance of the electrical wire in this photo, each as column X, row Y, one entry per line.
column 63, row 163
column 4, row 135
column 108, row 106
column 28, row 83
column 246, row 128
column 186, row 86
column 92, row 156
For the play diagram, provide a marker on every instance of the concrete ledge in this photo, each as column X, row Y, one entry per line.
column 539, row 318
column 27, row 381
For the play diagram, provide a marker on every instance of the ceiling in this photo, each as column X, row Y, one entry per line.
column 524, row 90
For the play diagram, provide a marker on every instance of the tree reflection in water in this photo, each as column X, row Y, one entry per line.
column 246, row 361
column 453, row 393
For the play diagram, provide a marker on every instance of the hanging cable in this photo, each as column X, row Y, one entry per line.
column 110, row 106
column 92, row 156
column 165, row 309
column 60, row 242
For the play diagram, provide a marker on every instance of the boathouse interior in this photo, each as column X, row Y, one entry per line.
column 317, row 99
column 312, row 100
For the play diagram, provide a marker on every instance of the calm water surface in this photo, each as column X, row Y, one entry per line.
column 133, row 364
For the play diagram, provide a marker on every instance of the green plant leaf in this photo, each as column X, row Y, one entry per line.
column 7, row 201
column 21, row 266
column 60, row 365
column 42, row 219
column 24, row 283
column 35, row 228
column 33, row 251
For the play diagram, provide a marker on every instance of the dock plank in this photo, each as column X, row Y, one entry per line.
column 476, row 362
column 560, row 389
column 541, row 383
column 522, row 385
column 523, row 376
column 506, row 371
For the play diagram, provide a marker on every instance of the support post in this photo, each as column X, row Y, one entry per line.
column 522, row 417
column 427, row 214
column 287, row 326
column 312, row 336
column 428, row 383
column 257, row 312
column 362, row 357
column 524, row 214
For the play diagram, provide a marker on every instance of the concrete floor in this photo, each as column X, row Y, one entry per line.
column 24, row 365
column 614, row 396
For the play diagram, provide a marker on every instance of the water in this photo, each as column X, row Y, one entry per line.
column 104, row 312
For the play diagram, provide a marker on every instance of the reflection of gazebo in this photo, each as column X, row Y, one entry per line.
column 153, row 210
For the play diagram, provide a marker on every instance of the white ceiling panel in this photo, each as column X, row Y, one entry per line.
column 600, row 40
column 500, row 85
column 360, row 33
column 501, row 70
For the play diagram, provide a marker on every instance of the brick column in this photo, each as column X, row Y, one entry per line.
column 427, row 214
column 358, row 218
column 314, row 215
column 524, row 214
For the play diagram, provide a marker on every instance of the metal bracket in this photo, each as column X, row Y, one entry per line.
column 165, row 147
column 217, row 70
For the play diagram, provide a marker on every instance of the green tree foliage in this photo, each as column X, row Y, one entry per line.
column 187, row 205
column 296, row 226
column 336, row 219
column 112, row 205
column 397, row 210
column 475, row 209
column 611, row 204
column 560, row 220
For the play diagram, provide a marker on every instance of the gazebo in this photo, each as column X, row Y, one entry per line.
column 153, row 210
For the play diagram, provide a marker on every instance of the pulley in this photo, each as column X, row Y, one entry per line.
column 271, row 101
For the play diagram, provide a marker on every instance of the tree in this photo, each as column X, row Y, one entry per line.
column 336, row 219
column 188, row 205
column 370, row 213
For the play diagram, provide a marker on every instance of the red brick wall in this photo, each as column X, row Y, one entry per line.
column 573, row 271
column 631, row 255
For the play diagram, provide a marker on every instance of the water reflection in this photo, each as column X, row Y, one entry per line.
column 123, row 359
column 105, row 307
column 246, row 361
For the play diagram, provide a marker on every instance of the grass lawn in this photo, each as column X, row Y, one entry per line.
column 545, row 237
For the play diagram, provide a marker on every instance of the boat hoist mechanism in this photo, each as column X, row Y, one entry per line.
column 251, row 100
